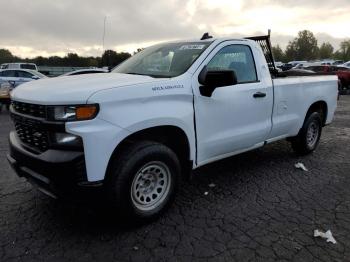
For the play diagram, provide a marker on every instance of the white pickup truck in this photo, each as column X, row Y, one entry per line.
column 171, row 108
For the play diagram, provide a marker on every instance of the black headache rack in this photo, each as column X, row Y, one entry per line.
column 265, row 43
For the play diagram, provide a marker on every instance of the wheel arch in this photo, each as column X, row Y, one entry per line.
column 172, row 136
column 321, row 107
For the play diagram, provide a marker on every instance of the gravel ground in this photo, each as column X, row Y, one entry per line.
column 261, row 209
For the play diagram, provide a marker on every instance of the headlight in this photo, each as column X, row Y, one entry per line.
column 72, row 113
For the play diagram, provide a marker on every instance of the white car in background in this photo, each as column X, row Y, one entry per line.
column 305, row 64
column 338, row 62
column 29, row 66
column 295, row 63
column 347, row 64
column 19, row 76
column 86, row 71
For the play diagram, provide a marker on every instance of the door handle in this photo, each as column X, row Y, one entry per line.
column 259, row 94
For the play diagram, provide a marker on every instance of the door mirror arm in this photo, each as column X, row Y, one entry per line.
column 209, row 80
column 202, row 76
column 204, row 88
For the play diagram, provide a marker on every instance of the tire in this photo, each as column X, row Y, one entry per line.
column 309, row 135
column 142, row 180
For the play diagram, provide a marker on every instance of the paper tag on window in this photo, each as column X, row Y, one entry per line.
column 190, row 47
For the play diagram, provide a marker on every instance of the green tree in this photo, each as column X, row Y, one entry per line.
column 111, row 58
column 303, row 47
column 291, row 51
column 278, row 53
column 6, row 56
column 73, row 59
column 326, row 51
column 39, row 60
column 344, row 52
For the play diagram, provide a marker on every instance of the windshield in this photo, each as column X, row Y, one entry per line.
column 163, row 60
column 38, row 74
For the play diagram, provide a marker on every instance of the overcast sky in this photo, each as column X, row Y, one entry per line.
column 49, row 27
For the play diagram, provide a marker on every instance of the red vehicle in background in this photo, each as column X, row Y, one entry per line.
column 343, row 73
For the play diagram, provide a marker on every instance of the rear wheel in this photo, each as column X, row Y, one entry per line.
column 309, row 135
column 143, row 179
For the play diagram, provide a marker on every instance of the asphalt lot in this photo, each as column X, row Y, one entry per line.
column 261, row 209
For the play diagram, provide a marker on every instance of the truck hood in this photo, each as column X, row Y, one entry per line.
column 73, row 89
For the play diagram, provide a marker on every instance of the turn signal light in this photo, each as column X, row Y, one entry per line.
column 86, row 112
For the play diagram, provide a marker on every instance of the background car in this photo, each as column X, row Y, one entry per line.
column 347, row 64
column 19, row 76
column 5, row 89
column 278, row 64
column 338, row 62
column 298, row 72
column 86, row 71
column 30, row 66
column 342, row 72
column 291, row 65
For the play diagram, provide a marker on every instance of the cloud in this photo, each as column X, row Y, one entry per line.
column 41, row 27
column 65, row 25
column 319, row 4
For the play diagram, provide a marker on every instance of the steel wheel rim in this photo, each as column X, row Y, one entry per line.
column 312, row 134
column 150, row 186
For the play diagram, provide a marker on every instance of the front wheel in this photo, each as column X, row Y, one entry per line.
column 143, row 179
column 309, row 135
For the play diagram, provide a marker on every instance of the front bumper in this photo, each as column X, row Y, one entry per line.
column 58, row 173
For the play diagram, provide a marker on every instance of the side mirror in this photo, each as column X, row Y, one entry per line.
column 35, row 77
column 212, row 79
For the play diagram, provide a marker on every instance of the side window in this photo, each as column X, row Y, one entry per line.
column 238, row 58
column 9, row 73
column 28, row 66
column 24, row 74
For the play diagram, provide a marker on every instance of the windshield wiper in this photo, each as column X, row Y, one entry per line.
column 133, row 73
column 154, row 76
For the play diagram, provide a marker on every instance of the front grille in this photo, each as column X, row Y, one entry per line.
column 32, row 134
column 30, row 130
column 29, row 109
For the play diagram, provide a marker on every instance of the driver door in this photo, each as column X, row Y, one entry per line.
column 24, row 77
column 234, row 118
column 8, row 76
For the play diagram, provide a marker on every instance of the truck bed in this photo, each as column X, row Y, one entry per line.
column 293, row 95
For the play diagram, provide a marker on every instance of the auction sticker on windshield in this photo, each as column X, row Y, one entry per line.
column 191, row 47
